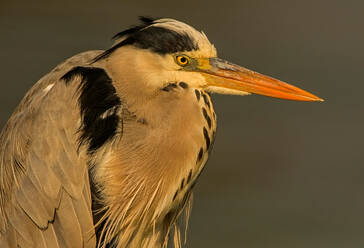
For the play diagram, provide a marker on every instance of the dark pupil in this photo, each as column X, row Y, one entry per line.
column 183, row 60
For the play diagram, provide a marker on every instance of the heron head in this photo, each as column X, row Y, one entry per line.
column 150, row 56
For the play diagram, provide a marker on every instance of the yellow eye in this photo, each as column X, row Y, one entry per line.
column 182, row 60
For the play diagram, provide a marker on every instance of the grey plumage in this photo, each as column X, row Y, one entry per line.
column 46, row 197
column 104, row 151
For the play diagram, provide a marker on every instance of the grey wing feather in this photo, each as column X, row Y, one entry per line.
column 45, row 199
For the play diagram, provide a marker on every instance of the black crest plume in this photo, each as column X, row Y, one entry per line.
column 158, row 39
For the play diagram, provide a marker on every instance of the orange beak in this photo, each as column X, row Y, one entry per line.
column 228, row 77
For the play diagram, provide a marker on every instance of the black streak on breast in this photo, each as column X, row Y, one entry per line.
column 199, row 156
column 183, row 85
column 206, row 100
column 169, row 87
column 207, row 138
column 97, row 97
column 198, row 95
column 207, row 117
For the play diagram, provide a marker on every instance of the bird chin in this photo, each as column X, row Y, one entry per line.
column 226, row 91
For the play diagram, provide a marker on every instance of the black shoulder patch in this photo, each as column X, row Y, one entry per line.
column 99, row 104
column 158, row 39
column 80, row 71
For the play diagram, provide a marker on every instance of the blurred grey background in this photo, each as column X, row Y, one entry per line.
column 283, row 174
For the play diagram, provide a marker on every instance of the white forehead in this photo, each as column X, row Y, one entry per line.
column 206, row 49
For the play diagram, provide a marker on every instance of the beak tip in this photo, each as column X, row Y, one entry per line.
column 317, row 99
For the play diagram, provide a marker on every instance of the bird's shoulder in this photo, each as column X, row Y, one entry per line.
column 83, row 59
column 45, row 194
